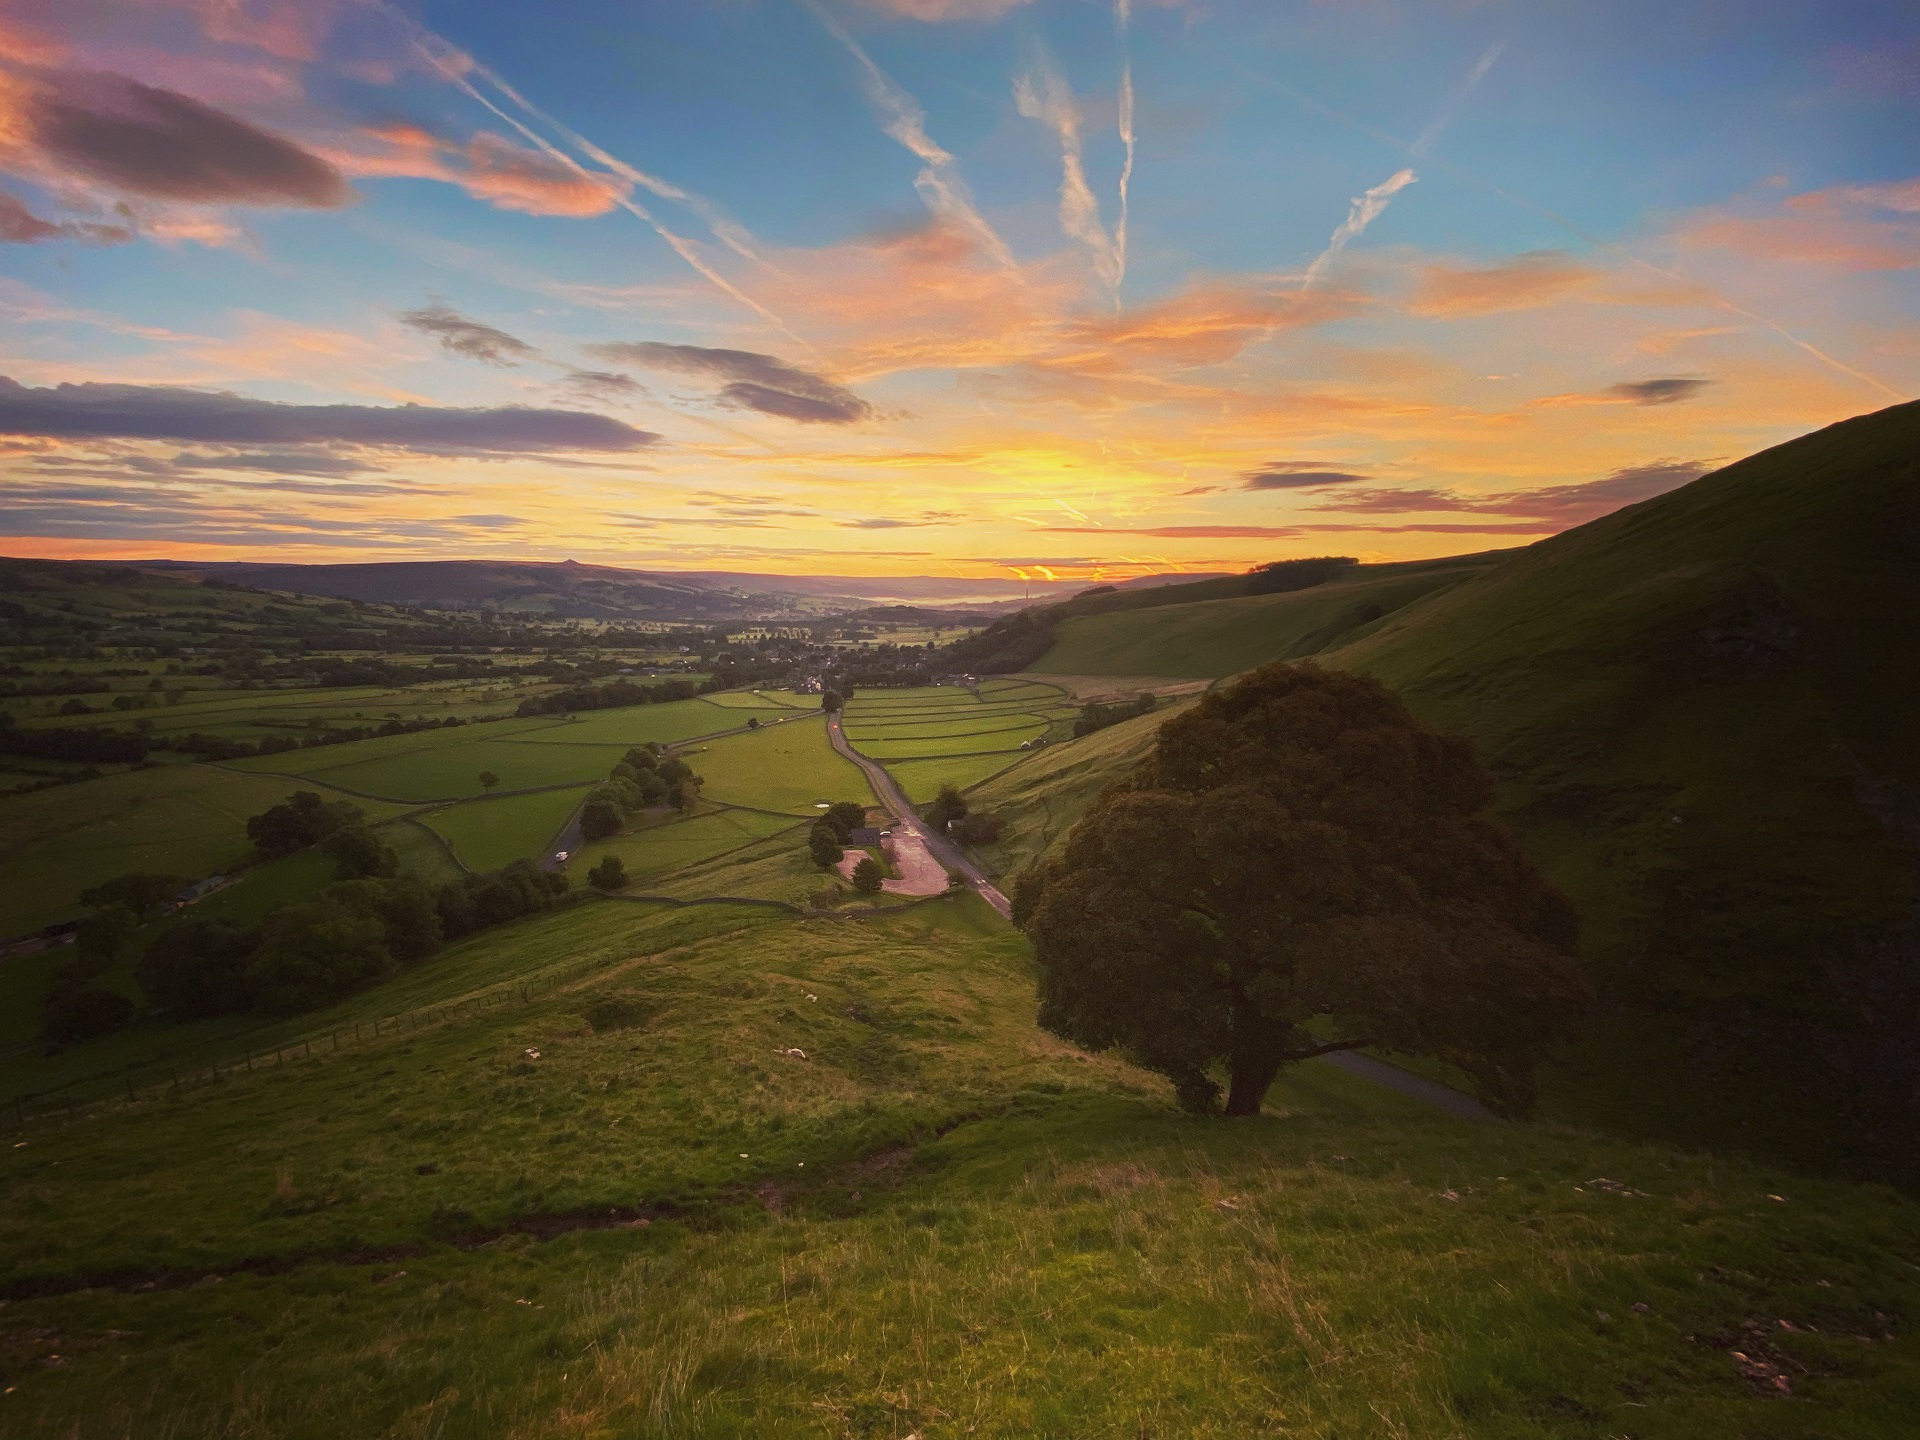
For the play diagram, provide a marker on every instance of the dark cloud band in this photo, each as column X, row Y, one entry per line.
column 149, row 141
column 754, row 381
column 164, row 412
column 462, row 335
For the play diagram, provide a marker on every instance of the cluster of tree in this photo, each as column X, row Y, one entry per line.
column 827, row 841
column 950, row 814
column 1011, row 643
column 301, row 821
column 53, row 684
column 609, row 875
column 96, row 746
column 1301, row 867
column 646, row 776
column 349, row 936
column 1280, row 576
column 616, row 695
column 1095, row 715
column 78, row 1008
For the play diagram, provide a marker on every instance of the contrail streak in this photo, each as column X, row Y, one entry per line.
column 728, row 232
column 1370, row 206
column 1041, row 93
column 1363, row 211
column 682, row 246
column 940, row 185
column 1123, row 22
column 1394, row 142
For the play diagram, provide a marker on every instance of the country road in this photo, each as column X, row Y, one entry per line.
column 890, row 796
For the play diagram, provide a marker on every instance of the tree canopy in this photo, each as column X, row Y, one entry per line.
column 1300, row 866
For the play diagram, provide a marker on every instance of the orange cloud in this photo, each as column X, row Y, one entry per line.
column 1840, row 228
column 1207, row 325
column 1541, row 277
column 488, row 167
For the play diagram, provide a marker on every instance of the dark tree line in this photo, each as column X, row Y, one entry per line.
column 1095, row 715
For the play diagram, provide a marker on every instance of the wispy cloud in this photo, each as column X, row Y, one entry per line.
column 1367, row 208
column 1123, row 24
column 941, row 187
column 1041, row 92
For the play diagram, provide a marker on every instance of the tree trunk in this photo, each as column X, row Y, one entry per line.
column 1251, row 1076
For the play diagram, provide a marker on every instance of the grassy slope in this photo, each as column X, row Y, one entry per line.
column 1212, row 638
column 487, row 834
column 1042, row 797
column 1696, row 705
column 1070, row 1258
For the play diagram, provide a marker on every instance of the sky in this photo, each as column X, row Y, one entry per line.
column 1074, row 289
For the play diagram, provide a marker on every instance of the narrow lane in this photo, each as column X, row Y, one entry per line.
column 891, row 797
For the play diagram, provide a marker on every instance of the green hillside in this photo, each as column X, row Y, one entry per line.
column 623, row 1171
column 1218, row 637
column 1704, row 711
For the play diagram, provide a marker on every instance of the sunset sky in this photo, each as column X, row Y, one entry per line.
column 1064, row 288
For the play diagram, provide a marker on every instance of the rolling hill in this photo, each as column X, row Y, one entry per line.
column 1702, row 711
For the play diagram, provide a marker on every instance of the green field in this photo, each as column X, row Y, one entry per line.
column 789, row 768
column 187, row 820
column 946, row 723
column 636, row 724
column 746, row 700
column 452, row 770
column 326, row 757
column 1223, row 637
column 660, row 848
column 921, row 779
column 942, row 1222
column 486, row 834
column 931, row 747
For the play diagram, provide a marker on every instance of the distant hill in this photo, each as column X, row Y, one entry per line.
column 565, row 589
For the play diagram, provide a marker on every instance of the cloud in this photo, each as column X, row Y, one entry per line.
column 460, row 335
column 1361, row 213
column 883, row 524
column 1040, row 92
column 147, row 141
column 1843, row 227
column 514, row 178
column 1540, row 277
column 754, row 381
column 1560, row 505
column 941, row 187
column 163, row 412
column 20, row 226
column 487, row 166
column 275, row 462
column 1295, row 475
column 1663, row 391
column 606, row 387
column 937, row 11
column 1205, row 325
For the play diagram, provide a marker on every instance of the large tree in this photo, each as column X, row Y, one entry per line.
column 1300, row 867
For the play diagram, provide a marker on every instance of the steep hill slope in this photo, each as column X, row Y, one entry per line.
column 1216, row 637
column 1706, row 710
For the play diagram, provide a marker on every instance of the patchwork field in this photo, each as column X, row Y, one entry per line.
column 325, row 757
column 636, row 724
column 789, row 768
column 674, row 844
column 486, row 834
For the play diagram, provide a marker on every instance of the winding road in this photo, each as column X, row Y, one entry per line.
column 890, row 797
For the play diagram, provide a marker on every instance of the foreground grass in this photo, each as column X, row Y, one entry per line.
column 940, row 1222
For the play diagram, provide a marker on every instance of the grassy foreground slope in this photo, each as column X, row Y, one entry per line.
column 1213, row 638
column 1703, row 709
column 940, row 1221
